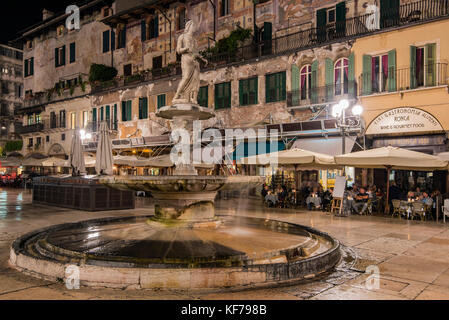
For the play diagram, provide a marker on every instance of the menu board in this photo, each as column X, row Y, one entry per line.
column 340, row 186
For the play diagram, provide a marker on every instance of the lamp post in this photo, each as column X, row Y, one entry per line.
column 345, row 123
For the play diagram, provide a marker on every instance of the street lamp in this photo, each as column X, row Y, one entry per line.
column 344, row 123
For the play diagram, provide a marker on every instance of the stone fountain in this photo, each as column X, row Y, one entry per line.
column 184, row 245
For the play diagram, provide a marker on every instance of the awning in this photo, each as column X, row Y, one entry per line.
column 10, row 162
column 329, row 146
column 48, row 162
column 249, row 149
column 162, row 161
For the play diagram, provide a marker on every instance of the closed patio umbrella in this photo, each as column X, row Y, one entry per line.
column 104, row 162
column 77, row 155
column 392, row 158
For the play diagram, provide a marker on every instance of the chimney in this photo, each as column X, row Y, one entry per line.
column 46, row 14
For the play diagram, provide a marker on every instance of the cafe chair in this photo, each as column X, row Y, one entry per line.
column 445, row 210
column 397, row 209
column 419, row 210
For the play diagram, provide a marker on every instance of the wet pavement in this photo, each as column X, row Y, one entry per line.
column 412, row 256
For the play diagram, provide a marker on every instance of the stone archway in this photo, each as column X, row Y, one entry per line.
column 56, row 150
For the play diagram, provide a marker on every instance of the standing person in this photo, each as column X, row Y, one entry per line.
column 327, row 198
column 264, row 191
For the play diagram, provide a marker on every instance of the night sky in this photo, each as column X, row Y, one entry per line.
column 16, row 15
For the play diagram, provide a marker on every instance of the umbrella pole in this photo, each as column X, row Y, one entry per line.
column 387, row 204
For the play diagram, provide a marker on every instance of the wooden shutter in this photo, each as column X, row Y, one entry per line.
column 143, row 30
column 367, row 74
column 26, row 67
column 129, row 110
column 321, row 24
column 295, row 85
column 72, row 52
column 156, row 26
column 413, row 78
column 351, row 76
column 124, row 111
column 254, row 87
column 32, row 66
column 283, row 86
column 392, row 71
column 314, row 84
column 106, row 41
column 340, row 9
column 227, row 95
column 241, row 92
column 140, row 109
column 56, row 57
column 329, row 79
column 430, row 64
column 112, row 40
column 114, row 125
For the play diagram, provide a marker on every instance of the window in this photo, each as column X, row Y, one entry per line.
column 330, row 14
column 306, row 82
column 73, row 120
column 63, row 137
column 60, row 56
column 225, row 8
column 341, row 79
column 275, row 89
column 101, row 114
column 115, row 117
column 248, row 91
column 127, row 70
column 143, row 108
column 127, row 110
column 38, row 118
column 423, row 66
column 29, row 67
column 379, row 75
column 62, row 118
column 161, row 101
column 94, row 119
column 182, row 18
column 331, row 22
column 106, row 41
column 52, row 120
column 72, row 52
column 153, row 28
column 18, row 90
column 223, row 95
column 30, row 142
column 203, row 97
column 47, row 139
column 30, row 119
column 122, row 37
column 38, row 141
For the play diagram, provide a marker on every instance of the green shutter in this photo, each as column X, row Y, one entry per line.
column 241, row 84
column 413, row 79
column 255, row 84
column 329, row 79
column 72, row 52
column 32, row 66
column 129, row 110
column 156, row 26
column 314, row 84
column 140, row 109
column 392, row 71
column 106, row 41
column 143, row 29
column 295, row 85
column 56, row 58
column 145, row 108
column 26, row 67
column 367, row 74
column 123, row 110
column 108, row 113
column 351, row 75
column 228, row 95
column 430, row 64
column 63, row 56
column 114, row 126
column 112, row 40
column 102, row 114
column 94, row 115
column 321, row 24
column 217, row 88
column 283, row 86
column 340, row 9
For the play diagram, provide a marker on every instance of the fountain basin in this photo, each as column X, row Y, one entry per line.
column 143, row 253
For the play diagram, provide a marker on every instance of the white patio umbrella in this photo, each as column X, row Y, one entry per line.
column 77, row 155
column 392, row 158
column 293, row 157
column 104, row 160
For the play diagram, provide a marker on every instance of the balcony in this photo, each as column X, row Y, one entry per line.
column 427, row 76
column 408, row 14
column 54, row 124
column 21, row 129
column 322, row 95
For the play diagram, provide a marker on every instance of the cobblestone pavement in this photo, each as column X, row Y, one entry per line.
column 412, row 256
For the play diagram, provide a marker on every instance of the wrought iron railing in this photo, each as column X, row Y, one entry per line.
column 21, row 129
column 404, row 79
column 322, row 95
column 94, row 126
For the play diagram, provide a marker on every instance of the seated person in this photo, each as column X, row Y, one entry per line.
column 313, row 200
column 428, row 201
column 271, row 199
column 361, row 202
